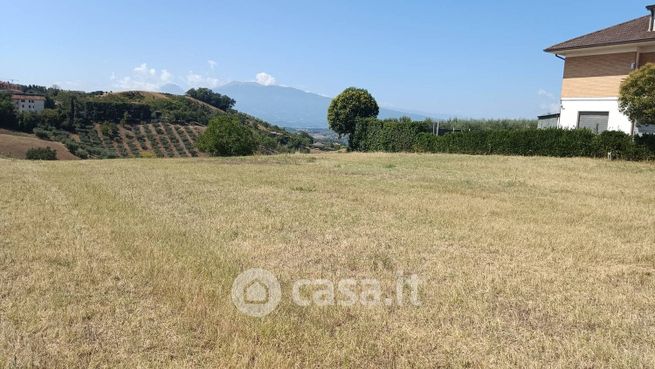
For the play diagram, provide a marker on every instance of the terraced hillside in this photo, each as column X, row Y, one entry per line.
column 101, row 125
column 162, row 140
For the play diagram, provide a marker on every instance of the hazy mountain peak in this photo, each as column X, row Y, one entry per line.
column 172, row 88
column 288, row 106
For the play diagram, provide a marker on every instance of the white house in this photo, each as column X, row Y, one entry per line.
column 594, row 67
column 28, row 103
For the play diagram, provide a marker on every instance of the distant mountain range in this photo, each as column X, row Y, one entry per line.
column 172, row 88
column 291, row 107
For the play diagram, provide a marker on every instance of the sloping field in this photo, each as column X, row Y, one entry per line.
column 16, row 146
column 523, row 262
column 144, row 140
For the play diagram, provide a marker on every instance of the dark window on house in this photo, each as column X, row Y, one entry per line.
column 594, row 121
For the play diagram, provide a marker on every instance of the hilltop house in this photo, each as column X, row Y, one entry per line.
column 9, row 88
column 22, row 101
column 28, row 103
column 595, row 65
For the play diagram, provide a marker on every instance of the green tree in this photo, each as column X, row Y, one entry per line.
column 637, row 95
column 41, row 153
column 212, row 98
column 352, row 104
column 227, row 136
column 8, row 118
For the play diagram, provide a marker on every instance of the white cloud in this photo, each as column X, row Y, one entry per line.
column 548, row 102
column 546, row 94
column 265, row 79
column 143, row 78
column 144, row 70
column 212, row 64
column 195, row 80
column 165, row 76
column 129, row 83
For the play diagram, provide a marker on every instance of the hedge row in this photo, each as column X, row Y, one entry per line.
column 546, row 142
column 374, row 135
column 390, row 135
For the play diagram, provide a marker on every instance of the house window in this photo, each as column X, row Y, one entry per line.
column 594, row 121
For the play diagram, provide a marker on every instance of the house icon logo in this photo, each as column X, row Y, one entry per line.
column 256, row 292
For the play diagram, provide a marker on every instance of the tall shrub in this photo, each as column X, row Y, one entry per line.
column 227, row 136
column 41, row 153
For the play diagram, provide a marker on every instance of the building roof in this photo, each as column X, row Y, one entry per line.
column 629, row 32
column 549, row 116
column 30, row 97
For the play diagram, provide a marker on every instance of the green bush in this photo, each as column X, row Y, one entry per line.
column 227, row 136
column 81, row 153
column 41, row 153
column 647, row 141
column 71, row 145
column 8, row 116
column 401, row 135
column 41, row 133
column 618, row 144
column 385, row 135
column 212, row 98
column 546, row 142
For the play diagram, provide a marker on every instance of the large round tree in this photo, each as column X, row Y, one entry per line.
column 227, row 136
column 637, row 96
column 352, row 104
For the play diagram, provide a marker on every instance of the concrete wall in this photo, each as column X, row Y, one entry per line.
column 571, row 108
column 29, row 105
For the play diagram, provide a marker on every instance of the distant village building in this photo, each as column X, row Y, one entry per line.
column 28, row 103
column 10, row 88
column 22, row 101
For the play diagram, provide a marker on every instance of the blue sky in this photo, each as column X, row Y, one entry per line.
column 467, row 58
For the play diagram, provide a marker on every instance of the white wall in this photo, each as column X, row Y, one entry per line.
column 29, row 105
column 571, row 107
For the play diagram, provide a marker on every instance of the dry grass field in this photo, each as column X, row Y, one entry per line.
column 16, row 145
column 524, row 262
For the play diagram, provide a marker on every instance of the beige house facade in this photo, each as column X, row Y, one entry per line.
column 595, row 65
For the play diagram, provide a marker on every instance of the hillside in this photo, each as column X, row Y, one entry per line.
column 523, row 262
column 15, row 145
column 160, row 140
column 291, row 107
column 140, row 124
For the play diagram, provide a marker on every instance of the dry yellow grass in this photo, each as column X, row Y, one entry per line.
column 16, row 145
column 525, row 262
